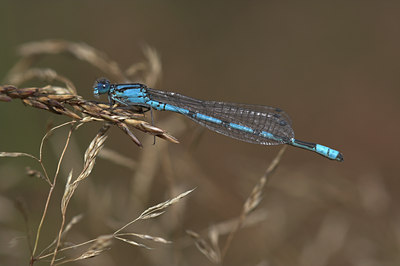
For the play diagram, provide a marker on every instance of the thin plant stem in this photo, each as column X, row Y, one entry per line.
column 66, row 248
column 49, row 197
column 42, row 144
column 58, row 169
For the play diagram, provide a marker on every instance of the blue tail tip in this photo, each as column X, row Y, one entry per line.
column 339, row 157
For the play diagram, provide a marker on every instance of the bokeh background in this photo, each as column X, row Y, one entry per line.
column 332, row 66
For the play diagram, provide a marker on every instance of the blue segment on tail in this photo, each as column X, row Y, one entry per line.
column 318, row 148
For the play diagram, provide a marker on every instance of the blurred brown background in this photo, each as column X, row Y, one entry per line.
column 333, row 67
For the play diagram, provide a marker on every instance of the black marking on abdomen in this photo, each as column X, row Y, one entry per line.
column 257, row 132
column 192, row 114
column 225, row 124
column 306, row 144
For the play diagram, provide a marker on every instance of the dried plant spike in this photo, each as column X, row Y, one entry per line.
column 42, row 47
column 89, row 160
column 125, row 129
column 155, row 210
column 36, row 104
column 204, row 247
column 158, row 209
column 45, row 74
column 5, row 98
column 146, row 126
column 68, row 192
column 91, row 153
column 255, row 197
column 34, row 173
column 168, row 137
column 81, row 51
column 131, row 242
column 153, row 238
column 123, row 238
column 17, row 154
column 102, row 243
column 76, row 219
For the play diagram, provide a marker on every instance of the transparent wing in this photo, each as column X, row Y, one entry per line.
column 257, row 117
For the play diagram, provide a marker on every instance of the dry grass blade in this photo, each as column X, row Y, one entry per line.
column 156, row 210
column 46, row 74
column 143, row 125
column 34, row 173
column 101, row 244
column 226, row 227
column 89, row 160
column 159, row 208
column 29, row 172
column 17, row 154
column 205, row 248
column 147, row 214
column 68, row 192
column 70, row 187
column 168, row 137
column 255, row 196
column 33, row 50
column 141, row 236
column 214, row 237
column 76, row 219
column 127, row 131
column 146, row 237
column 52, row 186
column 131, row 242
column 91, row 153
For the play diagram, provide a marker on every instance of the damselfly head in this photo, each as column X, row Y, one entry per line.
column 101, row 86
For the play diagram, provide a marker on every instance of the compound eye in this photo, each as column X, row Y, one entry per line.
column 102, row 86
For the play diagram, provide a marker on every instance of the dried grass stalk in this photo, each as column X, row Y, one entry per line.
column 211, row 250
column 58, row 99
column 100, row 245
column 156, row 210
column 205, row 248
column 149, row 213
